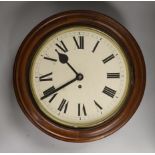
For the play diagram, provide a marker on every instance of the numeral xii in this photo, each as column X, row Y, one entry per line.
column 79, row 42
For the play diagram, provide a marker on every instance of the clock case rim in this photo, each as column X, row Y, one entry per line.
column 78, row 18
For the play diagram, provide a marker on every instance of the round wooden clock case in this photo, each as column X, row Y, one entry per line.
column 51, row 26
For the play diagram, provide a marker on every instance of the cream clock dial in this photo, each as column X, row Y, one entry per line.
column 79, row 77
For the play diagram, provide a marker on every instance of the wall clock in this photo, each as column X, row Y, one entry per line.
column 79, row 76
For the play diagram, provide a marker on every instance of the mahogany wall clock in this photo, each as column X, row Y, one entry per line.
column 79, row 76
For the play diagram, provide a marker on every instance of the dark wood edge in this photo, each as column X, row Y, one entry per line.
column 51, row 25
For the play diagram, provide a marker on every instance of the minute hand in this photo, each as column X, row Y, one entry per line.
column 55, row 90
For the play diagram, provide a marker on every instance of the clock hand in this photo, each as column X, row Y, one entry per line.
column 79, row 77
column 59, row 88
column 64, row 59
column 72, row 69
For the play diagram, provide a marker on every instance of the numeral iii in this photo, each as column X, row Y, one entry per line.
column 113, row 75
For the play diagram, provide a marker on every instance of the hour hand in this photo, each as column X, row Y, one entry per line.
column 63, row 58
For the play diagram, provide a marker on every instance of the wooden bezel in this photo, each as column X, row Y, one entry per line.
column 50, row 26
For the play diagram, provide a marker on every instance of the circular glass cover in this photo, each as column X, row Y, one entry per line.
column 79, row 77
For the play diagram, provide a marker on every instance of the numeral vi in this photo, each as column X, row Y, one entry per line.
column 81, row 110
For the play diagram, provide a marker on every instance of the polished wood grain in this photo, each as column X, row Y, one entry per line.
column 52, row 25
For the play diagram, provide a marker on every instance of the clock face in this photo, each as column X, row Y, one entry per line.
column 79, row 77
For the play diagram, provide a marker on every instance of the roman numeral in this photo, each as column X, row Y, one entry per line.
column 63, row 106
column 61, row 46
column 47, row 92
column 79, row 42
column 95, row 46
column 51, row 59
column 98, row 105
column 81, row 109
column 52, row 98
column 108, row 58
column 108, row 91
column 45, row 77
column 113, row 75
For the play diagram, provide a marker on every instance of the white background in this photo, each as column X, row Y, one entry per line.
column 17, row 134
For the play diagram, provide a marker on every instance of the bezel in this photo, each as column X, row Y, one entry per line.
column 50, row 26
